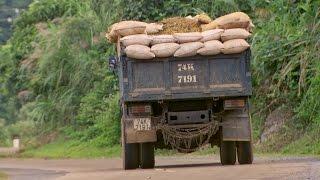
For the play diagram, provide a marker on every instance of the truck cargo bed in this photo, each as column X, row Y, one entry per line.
column 193, row 77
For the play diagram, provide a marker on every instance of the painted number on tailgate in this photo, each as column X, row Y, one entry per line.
column 189, row 78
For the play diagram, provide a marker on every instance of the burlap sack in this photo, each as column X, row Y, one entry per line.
column 187, row 37
column 237, row 33
column 213, row 34
column 211, row 48
column 188, row 49
column 229, row 21
column 234, row 46
column 139, row 52
column 141, row 39
column 112, row 35
column 192, row 18
column 165, row 49
column 203, row 18
column 158, row 39
column 126, row 28
column 153, row 28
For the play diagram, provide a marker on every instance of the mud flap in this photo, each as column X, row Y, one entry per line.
column 143, row 136
column 236, row 125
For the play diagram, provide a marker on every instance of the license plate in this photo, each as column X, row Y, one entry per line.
column 142, row 124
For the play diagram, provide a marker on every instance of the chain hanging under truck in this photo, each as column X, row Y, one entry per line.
column 188, row 138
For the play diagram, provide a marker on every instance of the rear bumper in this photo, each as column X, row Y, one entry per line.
column 143, row 96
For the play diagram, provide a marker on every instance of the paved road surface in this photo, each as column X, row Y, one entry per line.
column 177, row 168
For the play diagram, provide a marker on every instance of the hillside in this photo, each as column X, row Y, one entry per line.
column 55, row 80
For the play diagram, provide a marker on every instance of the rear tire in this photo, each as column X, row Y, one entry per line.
column 228, row 152
column 244, row 151
column 147, row 155
column 130, row 151
column 131, row 156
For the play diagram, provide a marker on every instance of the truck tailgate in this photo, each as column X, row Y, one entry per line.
column 186, row 78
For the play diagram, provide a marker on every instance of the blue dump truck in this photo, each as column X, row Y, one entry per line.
column 184, row 104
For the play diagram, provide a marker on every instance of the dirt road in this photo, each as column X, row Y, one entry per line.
column 177, row 168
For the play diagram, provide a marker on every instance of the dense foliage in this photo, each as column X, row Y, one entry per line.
column 54, row 73
column 286, row 58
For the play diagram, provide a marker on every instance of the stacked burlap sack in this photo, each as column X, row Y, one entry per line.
column 226, row 34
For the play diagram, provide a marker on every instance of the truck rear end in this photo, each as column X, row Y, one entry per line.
column 184, row 104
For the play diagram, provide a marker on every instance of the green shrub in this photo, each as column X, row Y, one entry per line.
column 98, row 119
column 47, row 10
column 3, row 133
column 309, row 109
column 26, row 130
column 285, row 58
column 147, row 10
column 22, row 42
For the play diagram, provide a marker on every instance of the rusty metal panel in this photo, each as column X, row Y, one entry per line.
column 147, row 76
column 226, row 73
column 134, row 136
column 236, row 125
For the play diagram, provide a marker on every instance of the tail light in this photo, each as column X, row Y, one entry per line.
column 141, row 109
column 234, row 104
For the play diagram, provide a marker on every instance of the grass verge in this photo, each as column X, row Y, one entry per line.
column 290, row 141
column 71, row 149
column 305, row 145
column 308, row 144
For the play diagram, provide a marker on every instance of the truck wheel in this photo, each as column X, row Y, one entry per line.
column 228, row 152
column 131, row 156
column 244, row 151
column 147, row 155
